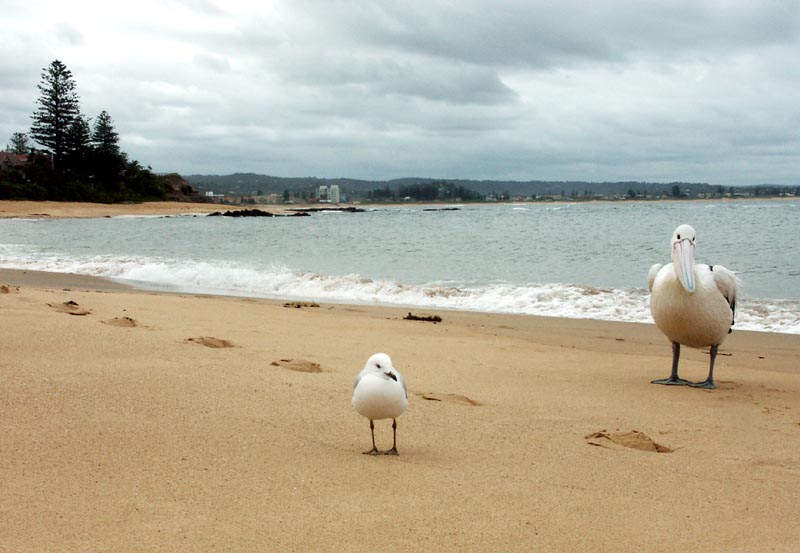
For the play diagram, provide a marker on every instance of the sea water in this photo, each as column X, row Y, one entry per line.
column 585, row 260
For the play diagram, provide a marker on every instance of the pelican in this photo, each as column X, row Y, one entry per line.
column 692, row 304
column 379, row 392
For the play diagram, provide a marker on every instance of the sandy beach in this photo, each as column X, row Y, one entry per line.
column 78, row 210
column 60, row 210
column 136, row 421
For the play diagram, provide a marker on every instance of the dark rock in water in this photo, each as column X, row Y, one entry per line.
column 297, row 214
column 242, row 213
column 349, row 209
column 442, row 209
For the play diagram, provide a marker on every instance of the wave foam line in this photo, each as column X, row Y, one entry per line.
column 552, row 300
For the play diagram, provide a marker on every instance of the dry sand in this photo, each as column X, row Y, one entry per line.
column 58, row 210
column 166, row 422
column 62, row 210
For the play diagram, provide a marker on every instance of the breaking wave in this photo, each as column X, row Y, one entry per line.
column 281, row 282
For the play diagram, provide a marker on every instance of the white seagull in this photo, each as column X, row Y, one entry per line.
column 379, row 392
column 692, row 304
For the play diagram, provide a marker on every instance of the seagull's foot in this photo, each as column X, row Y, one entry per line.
column 706, row 384
column 672, row 382
column 373, row 451
column 392, row 451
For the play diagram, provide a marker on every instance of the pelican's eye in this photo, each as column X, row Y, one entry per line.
column 379, row 365
column 679, row 237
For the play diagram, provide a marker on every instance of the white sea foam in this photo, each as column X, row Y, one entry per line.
column 549, row 299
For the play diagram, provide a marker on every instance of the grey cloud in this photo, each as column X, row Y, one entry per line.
column 370, row 76
column 605, row 90
column 68, row 34
column 219, row 64
column 546, row 34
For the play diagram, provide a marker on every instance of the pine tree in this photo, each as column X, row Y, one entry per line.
column 59, row 106
column 109, row 161
column 78, row 146
column 105, row 138
column 19, row 144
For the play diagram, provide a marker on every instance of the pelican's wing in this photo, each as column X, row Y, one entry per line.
column 651, row 276
column 728, row 284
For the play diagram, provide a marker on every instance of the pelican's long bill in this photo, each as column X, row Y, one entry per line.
column 683, row 260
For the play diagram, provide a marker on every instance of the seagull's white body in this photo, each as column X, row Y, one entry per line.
column 692, row 304
column 379, row 392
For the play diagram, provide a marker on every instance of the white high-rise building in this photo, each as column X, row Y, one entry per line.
column 323, row 193
column 333, row 193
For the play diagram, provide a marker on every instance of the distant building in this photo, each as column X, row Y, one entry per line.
column 323, row 193
column 12, row 161
column 215, row 198
column 333, row 194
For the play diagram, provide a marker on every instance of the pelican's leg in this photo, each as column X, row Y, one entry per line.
column 709, row 382
column 374, row 450
column 393, row 451
column 673, row 379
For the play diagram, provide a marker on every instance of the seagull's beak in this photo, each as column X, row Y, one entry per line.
column 683, row 259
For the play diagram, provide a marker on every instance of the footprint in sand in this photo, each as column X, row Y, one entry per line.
column 6, row 289
column 633, row 440
column 122, row 322
column 451, row 398
column 298, row 365
column 70, row 307
column 210, row 342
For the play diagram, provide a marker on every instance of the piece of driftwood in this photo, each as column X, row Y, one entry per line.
column 427, row 318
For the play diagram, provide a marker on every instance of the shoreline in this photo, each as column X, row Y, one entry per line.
column 88, row 284
column 750, row 317
column 27, row 209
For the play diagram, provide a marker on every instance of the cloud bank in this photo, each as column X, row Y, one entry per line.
column 609, row 90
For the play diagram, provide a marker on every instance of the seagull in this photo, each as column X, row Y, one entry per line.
column 692, row 304
column 379, row 392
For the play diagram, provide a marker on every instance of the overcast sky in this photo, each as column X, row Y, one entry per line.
column 695, row 90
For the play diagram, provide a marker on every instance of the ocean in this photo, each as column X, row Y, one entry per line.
column 582, row 260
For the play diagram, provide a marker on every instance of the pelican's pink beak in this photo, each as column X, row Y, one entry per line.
column 683, row 260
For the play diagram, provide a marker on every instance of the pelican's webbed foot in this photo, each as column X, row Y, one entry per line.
column 672, row 382
column 706, row 384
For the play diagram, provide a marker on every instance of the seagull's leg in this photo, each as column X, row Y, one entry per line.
column 673, row 379
column 709, row 382
column 374, row 450
column 393, row 451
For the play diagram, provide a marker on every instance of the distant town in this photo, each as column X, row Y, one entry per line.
column 248, row 188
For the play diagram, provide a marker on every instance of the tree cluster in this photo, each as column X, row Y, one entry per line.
column 80, row 160
column 438, row 190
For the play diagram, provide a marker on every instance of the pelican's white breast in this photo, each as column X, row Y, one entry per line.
column 696, row 320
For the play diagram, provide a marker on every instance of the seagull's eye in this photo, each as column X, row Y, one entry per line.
column 679, row 237
column 379, row 365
